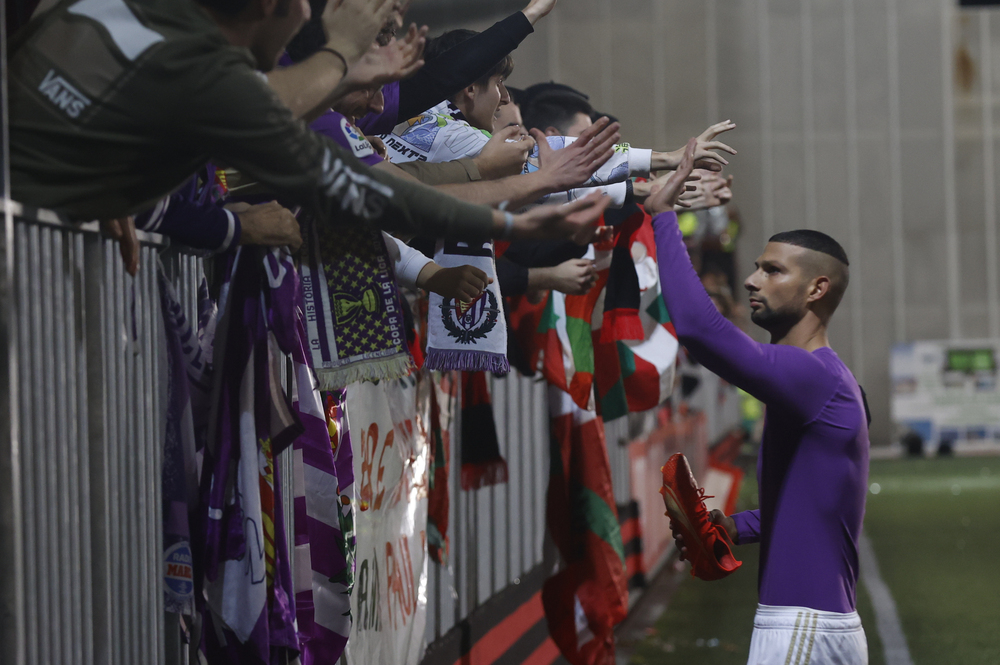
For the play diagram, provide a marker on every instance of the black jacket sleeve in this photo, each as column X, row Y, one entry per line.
column 513, row 278
column 460, row 66
column 543, row 253
column 198, row 225
column 237, row 120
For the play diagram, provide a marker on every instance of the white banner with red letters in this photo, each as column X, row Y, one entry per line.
column 391, row 458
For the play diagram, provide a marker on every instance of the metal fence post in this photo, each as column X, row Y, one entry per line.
column 102, row 603
column 12, row 646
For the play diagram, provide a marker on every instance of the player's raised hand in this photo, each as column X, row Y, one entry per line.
column 352, row 25
column 576, row 220
column 717, row 517
column 397, row 60
column 664, row 198
column 576, row 163
column 538, row 9
column 726, row 522
column 504, row 154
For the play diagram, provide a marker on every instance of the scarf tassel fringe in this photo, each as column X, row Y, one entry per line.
column 467, row 361
column 484, row 474
column 384, row 369
column 622, row 324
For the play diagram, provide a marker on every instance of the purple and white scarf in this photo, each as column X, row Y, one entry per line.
column 354, row 317
column 324, row 515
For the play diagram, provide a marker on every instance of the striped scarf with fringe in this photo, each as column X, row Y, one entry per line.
column 354, row 317
column 471, row 337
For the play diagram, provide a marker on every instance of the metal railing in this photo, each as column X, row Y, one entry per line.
column 498, row 533
column 81, row 458
column 87, row 384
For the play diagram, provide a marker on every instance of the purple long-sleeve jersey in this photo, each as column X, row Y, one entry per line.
column 813, row 464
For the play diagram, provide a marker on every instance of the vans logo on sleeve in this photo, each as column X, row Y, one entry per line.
column 62, row 94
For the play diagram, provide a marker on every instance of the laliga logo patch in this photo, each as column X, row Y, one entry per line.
column 360, row 146
column 468, row 322
column 178, row 574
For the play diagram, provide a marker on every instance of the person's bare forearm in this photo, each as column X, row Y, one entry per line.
column 309, row 87
column 541, row 279
column 518, row 190
column 665, row 161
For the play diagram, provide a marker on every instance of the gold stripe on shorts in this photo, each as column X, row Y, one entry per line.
column 812, row 640
column 802, row 639
column 791, row 647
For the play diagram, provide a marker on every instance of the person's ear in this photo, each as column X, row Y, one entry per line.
column 818, row 288
column 468, row 95
column 552, row 131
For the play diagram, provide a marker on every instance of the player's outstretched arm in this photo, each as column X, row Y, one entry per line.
column 779, row 375
column 745, row 526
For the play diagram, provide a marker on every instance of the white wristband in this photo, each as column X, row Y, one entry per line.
column 508, row 221
column 508, row 226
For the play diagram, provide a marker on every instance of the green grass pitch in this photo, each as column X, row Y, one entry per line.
column 935, row 526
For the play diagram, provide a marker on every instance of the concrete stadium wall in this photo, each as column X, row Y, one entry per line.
column 871, row 120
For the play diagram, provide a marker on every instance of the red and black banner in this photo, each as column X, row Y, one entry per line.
column 509, row 629
column 628, row 519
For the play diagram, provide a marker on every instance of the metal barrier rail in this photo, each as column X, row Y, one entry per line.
column 496, row 532
column 85, row 449
column 81, row 515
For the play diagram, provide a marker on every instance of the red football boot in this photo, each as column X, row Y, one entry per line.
column 709, row 548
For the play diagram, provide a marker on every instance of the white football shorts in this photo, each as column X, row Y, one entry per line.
column 801, row 636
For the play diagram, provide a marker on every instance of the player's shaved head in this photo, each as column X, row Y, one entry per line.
column 814, row 240
column 825, row 258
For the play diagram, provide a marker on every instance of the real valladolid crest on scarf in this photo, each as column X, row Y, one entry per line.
column 467, row 336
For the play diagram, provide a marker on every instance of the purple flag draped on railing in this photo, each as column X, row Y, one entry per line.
column 324, row 512
column 250, row 614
